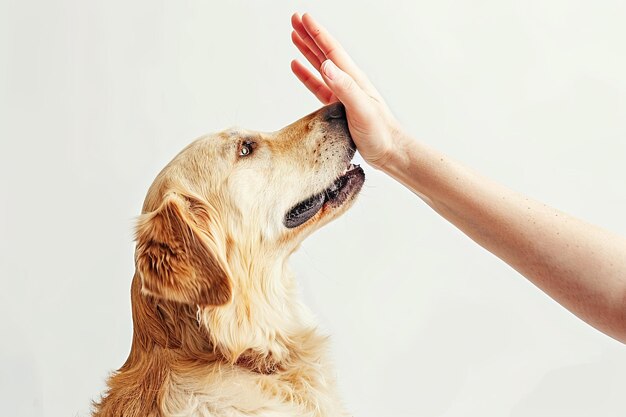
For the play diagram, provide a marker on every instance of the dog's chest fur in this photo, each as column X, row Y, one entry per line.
column 174, row 369
column 223, row 390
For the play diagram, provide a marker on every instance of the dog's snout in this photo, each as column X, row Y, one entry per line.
column 335, row 111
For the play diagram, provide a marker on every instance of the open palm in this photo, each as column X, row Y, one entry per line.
column 371, row 123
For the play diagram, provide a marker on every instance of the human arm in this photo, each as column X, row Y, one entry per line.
column 581, row 266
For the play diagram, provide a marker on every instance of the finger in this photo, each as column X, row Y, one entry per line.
column 345, row 88
column 296, row 23
column 332, row 49
column 314, row 84
column 304, row 49
column 328, row 46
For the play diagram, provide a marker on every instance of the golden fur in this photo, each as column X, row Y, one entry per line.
column 218, row 328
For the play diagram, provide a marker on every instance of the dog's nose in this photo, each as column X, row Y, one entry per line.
column 335, row 111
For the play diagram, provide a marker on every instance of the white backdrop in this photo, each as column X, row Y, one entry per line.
column 96, row 97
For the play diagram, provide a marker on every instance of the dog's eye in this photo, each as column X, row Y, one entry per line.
column 246, row 148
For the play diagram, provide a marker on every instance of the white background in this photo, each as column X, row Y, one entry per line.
column 96, row 97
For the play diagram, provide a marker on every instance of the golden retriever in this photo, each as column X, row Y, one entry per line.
column 218, row 327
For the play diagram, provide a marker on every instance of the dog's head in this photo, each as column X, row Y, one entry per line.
column 230, row 202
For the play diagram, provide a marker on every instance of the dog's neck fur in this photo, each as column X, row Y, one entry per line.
column 258, row 325
column 263, row 317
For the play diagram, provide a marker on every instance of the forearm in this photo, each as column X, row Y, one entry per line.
column 579, row 265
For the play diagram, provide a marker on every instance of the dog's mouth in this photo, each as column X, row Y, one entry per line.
column 347, row 185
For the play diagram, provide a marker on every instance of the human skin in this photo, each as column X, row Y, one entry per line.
column 581, row 266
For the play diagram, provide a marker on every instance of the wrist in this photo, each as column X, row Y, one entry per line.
column 396, row 159
column 413, row 164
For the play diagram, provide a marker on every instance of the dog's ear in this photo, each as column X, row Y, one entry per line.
column 176, row 255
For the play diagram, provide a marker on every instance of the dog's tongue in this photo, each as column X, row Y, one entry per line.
column 304, row 211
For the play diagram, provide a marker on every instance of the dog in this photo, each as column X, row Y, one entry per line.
column 218, row 329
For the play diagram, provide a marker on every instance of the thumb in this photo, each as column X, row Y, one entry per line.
column 343, row 86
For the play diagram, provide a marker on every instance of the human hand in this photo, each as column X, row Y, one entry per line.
column 372, row 126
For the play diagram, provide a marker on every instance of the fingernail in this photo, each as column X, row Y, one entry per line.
column 330, row 69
